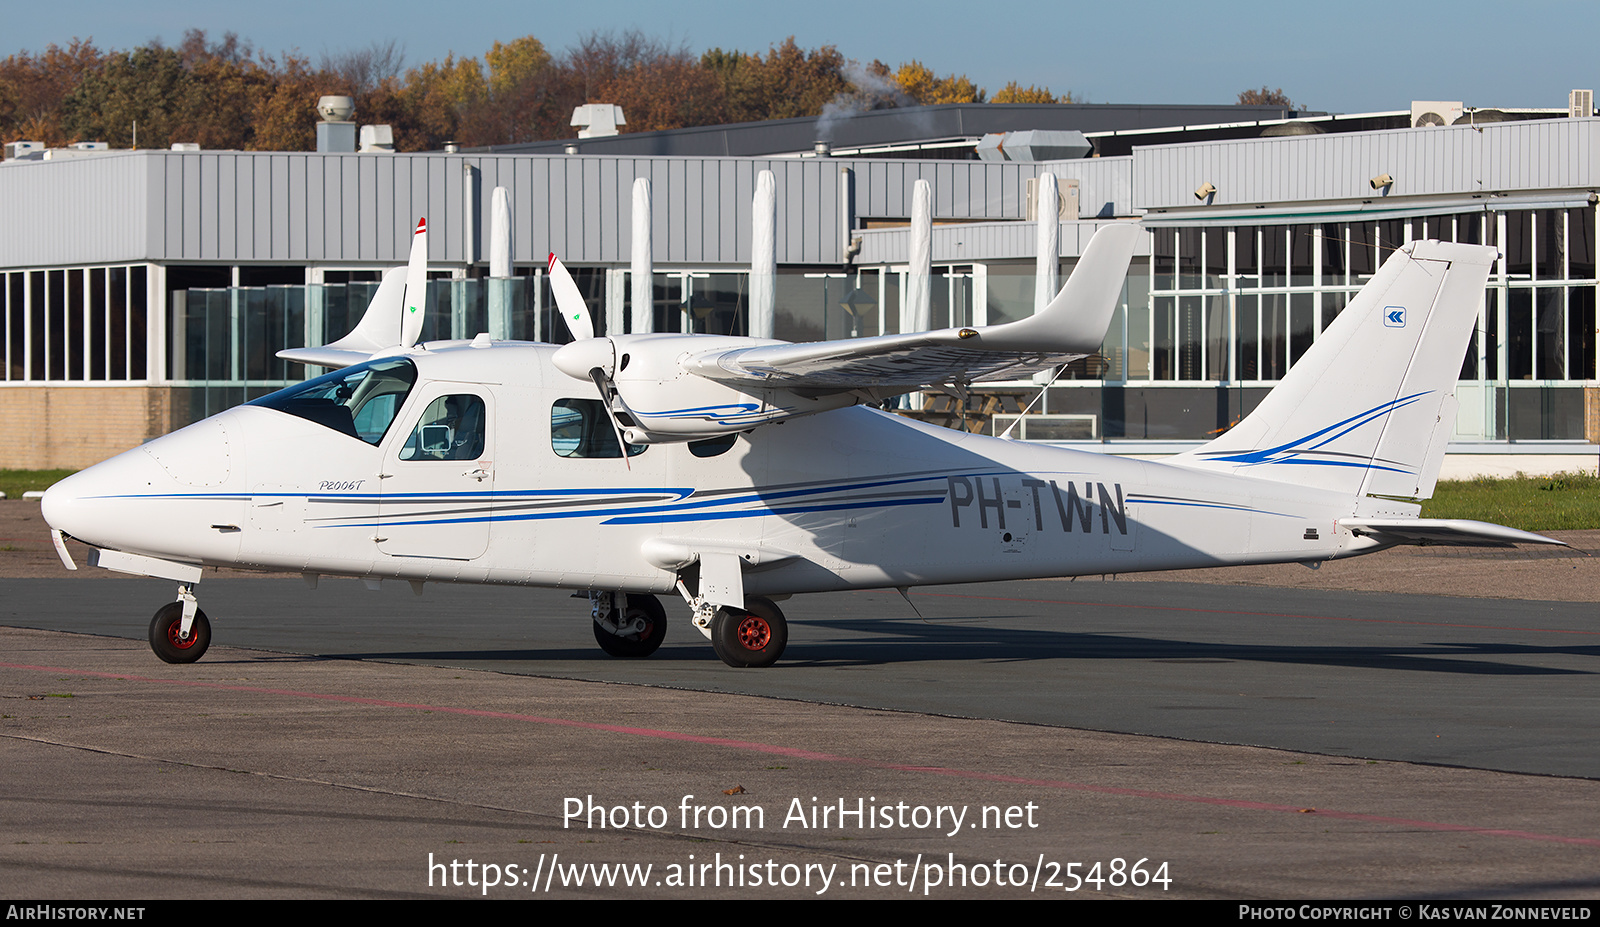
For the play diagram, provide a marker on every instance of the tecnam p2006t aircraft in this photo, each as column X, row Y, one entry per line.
column 736, row 472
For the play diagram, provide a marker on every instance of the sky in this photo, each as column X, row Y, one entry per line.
column 1353, row 56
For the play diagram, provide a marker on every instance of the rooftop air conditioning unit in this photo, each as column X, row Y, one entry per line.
column 1580, row 103
column 1435, row 113
column 15, row 150
column 1066, row 199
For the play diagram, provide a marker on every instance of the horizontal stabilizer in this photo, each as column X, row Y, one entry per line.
column 1444, row 531
column 393, row 318
column 378, row 330
column 326, row 356
column 1072, row 326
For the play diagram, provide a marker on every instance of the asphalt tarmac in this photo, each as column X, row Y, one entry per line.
column 1260, row 742
column 1491, row 684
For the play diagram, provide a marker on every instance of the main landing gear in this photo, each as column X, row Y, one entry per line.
column 628, row 626
column 631, row 626
column 752, row 636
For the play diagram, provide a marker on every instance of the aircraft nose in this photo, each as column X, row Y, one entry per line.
column 61, row 503
column 82, row 504
column 145, row 499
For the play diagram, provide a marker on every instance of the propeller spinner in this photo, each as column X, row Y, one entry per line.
column 587, row 357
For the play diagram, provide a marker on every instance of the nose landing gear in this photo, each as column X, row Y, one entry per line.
column 169, row 640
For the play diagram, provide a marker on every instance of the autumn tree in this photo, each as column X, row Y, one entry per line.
column 225, row 94
column 435, row 102
column 361, row 71
column 148, row 85
column 522, row 91
column 1016, row 93
column 33, row 86
column 220, row 98
column 1265, row 97
column 928, row 89
column 667, row 92
column 285, row 116
column 201, row 92
column 786, row 84
column 657, row 85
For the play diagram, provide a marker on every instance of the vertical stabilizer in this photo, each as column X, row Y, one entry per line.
column 416, row 301
column 1369, row 408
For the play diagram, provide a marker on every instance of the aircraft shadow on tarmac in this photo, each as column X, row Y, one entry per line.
column 879, row 641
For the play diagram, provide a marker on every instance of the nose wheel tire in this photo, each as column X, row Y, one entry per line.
column 642, row 644
column 172, row 647
column 755, row 636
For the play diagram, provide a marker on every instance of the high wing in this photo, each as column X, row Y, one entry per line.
column 1072, row 326
column 666, row 387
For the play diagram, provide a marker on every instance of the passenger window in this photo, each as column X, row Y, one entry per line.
column 580, row 428
column 451, row 428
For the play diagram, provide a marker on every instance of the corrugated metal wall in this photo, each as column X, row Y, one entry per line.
column 275, row 207
column 581, row 207
column 1448, row 160
column 979, row 241
column 297, row 208
column 79, row 210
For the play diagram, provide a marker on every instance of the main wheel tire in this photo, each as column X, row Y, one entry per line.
column 755, row 636
column 164, row 639
column 635, row 646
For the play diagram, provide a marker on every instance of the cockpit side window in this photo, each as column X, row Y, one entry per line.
column 578, row 428
column 360, row 401
column 451, row 428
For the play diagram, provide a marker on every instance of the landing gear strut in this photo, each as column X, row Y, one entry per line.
column 632, row 631
column 753, row 636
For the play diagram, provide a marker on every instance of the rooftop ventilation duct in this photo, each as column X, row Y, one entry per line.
column 598, row 119
column 335, row 132
column 1035, row 145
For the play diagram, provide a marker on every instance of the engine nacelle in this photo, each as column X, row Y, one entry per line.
column 661, row 402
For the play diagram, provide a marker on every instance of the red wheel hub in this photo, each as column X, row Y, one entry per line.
column 175, row 636
column 754, row 634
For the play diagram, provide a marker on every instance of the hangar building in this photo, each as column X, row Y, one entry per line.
column 147, row 289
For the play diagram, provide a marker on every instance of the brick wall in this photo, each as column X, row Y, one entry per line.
column 1591, row 414
column 74, row 427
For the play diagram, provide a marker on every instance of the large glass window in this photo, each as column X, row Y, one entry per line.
column 78, row 324
column 1011, row 289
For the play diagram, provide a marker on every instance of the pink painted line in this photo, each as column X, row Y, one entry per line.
column 798, row 753
column 1235, row 611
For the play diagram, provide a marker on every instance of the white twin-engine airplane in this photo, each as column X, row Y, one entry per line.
column 740, row 471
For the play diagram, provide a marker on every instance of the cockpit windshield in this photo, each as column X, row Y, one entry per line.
column 360, row 401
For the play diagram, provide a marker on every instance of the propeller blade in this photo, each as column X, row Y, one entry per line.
column 603, row 384
column 570, row 301
column 414, row 305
